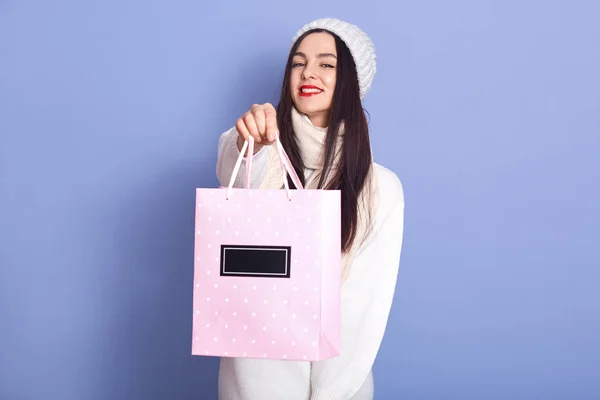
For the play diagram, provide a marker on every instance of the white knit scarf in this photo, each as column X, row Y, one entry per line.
column 311, row 140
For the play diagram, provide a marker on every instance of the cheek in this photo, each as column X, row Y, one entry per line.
column 329, row 80
column 294, row 80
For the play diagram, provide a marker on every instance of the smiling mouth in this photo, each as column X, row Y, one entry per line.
column 309, row 91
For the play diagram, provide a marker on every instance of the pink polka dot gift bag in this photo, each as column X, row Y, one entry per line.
column 267, row 270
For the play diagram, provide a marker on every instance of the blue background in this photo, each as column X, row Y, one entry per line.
column 110, row 113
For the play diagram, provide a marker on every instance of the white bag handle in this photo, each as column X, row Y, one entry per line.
column 286, row 166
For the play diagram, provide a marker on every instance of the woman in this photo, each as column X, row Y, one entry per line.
column 323, row 128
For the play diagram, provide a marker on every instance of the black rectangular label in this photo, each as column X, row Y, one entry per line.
column 256, row 261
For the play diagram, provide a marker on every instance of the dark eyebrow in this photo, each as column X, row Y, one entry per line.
column 320, row 55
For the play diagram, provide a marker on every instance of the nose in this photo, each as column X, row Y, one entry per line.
column 308, row 71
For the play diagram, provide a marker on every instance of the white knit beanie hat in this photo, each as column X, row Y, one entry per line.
column 360, row 45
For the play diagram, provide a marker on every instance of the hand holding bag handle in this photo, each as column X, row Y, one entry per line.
column 286, row 166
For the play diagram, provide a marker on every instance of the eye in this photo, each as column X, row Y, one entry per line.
column 327, row 65
column 297, row 64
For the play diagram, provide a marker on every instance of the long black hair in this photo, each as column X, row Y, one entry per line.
column 355, row 162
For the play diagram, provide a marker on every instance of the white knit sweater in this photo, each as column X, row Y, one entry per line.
column 367, row 296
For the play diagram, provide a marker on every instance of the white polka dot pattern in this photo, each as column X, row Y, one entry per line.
column 274, row 318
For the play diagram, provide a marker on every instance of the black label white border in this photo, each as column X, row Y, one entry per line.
column 286, row 249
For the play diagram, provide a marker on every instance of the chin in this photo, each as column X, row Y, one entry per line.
column 309, row 109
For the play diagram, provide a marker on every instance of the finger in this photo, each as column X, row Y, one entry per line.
column 240, row 126
column 259, row 119
column 271, row 122
column 251, row 125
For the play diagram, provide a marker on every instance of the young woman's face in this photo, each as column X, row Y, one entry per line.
column 313, row 77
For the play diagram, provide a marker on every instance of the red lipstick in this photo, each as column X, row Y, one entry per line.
column 309, row 90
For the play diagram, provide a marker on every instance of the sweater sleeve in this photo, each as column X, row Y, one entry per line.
column 228, row 153
column 366, row 302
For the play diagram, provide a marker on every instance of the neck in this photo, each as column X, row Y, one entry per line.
column 319, row 119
